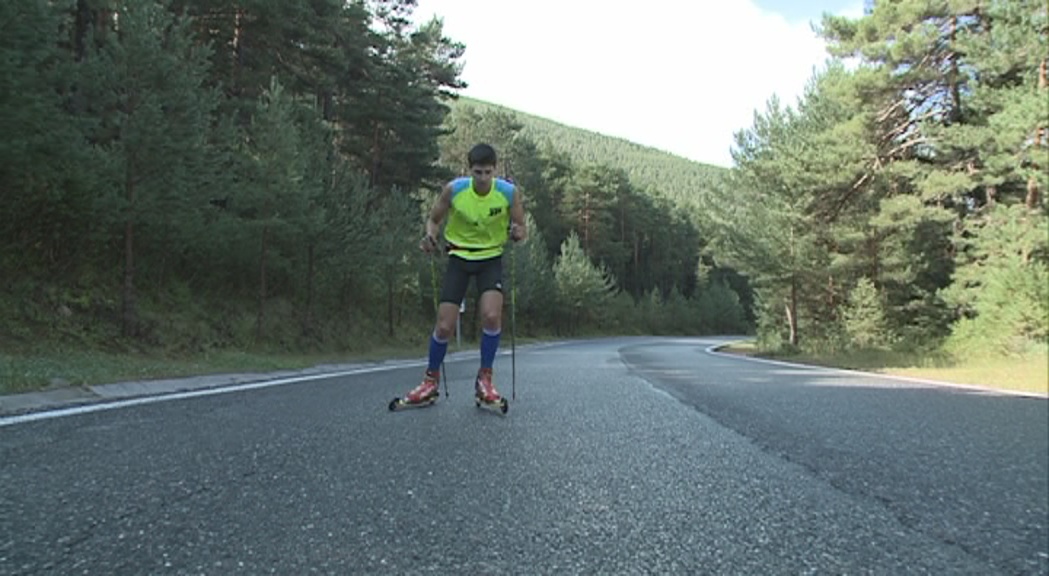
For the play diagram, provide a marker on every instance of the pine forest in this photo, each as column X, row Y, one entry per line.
column 182, row 178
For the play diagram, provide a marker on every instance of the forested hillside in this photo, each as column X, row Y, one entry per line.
column 185, row 176
column 901, row 204
column 634, row 213
column 685, row 182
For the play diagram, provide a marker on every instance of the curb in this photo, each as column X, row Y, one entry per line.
column 19, row 407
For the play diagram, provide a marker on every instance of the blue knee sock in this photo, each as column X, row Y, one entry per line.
column 437, row 350
column 489, row 345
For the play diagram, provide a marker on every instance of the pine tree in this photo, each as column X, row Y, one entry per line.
column 583, row 288
column 274, row 203
column 44, row 180
column 1002, row 287
column 718, row 309
column 394, row 222
column 864, row 318
column 153, row 113
column 535, row 285
column 766, row 231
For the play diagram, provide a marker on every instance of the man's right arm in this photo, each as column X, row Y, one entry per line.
column 437, row 214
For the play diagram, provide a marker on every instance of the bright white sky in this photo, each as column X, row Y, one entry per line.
column 678, row 75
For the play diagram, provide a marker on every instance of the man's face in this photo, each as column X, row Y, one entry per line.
column 482, row 174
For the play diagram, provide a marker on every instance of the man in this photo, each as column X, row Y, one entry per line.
column 482, row 211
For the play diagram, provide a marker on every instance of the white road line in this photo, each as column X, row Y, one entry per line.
column 98, row 406
column 221, row 389
column 712, row 350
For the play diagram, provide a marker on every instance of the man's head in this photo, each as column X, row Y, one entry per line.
column 482, row 161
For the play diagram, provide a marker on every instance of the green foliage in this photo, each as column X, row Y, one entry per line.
column 644, row 239
column 228, row 157
column 1002, row 286
column 583, row 288
column 720, row 310
column 687, row 184
column 44, row 173
column 864, row 317
column 894, row 175
column 191, row 175
column 528, row 267
column 258, row 172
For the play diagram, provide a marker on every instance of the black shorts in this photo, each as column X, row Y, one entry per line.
column 487, row 275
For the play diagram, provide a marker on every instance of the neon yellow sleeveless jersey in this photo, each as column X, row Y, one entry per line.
column 478, row 226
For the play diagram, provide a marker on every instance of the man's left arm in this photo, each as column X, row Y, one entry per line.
column 518, row 225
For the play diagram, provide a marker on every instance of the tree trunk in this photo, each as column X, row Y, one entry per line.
column 81, row 24
column 389, row 303
column 262, row 286
column 347, row 299
column 307, row 323
column 1039, row 135
column 792, row 305
column 1032, row 193
column 875, row 258
column 956, row 95
column 624, row 271
column 586, row 223
column 129, row 315
column 637, row 263
column 376, row 157
column 236, row 45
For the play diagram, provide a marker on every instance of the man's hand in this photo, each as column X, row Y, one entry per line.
column 517, row 233
column 428, row 244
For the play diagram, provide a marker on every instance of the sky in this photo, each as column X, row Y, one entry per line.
column 678, row 75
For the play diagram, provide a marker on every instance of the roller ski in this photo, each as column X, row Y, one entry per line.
column 423, row 395
column 485, row 393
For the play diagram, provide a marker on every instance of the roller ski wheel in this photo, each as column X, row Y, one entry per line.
column 403, row 403
column 501, row 404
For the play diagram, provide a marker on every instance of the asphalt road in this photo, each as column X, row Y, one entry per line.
column 618, row 456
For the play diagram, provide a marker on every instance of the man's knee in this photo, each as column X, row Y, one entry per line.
column 492, row 318
column 492, row 311
column 446, row 317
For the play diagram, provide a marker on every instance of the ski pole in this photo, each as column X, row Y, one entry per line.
column 437, row 313
column 513, row 299
column 513, row 320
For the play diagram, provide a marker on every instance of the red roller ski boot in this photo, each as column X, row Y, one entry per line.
column 485, row 392
column 424, row 394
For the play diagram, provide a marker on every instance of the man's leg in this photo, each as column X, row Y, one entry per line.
column 490, row 285
column 446, row 315
column 453, row 287
column 491, row 326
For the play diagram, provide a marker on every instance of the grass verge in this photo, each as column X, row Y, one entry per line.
column 51, row 368
column 1027, row 374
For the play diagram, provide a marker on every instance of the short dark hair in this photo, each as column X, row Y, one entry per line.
column 481, row 154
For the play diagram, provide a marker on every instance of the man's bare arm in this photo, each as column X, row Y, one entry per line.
column 439, row 212
column 437, row 215
column 519, row 226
